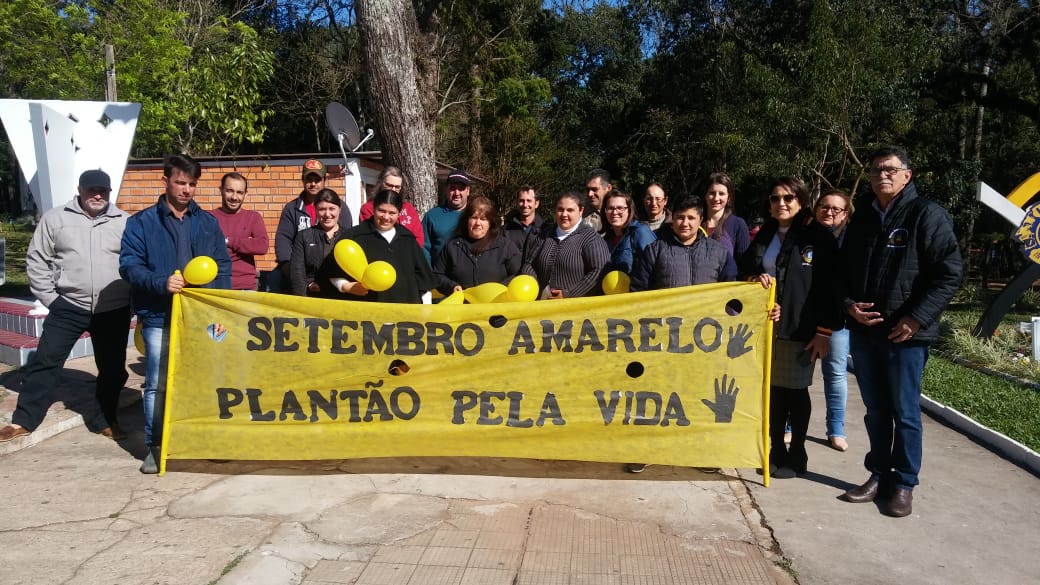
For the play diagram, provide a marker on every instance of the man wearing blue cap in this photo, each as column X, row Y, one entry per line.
column 73, row 269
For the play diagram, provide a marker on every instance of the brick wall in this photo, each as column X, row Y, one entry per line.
column 272, row 184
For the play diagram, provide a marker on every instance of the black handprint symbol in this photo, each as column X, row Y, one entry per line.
column 738, row 339
column 725, row 400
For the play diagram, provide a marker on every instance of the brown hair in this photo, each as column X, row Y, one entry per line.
column 480, row 206
column 724, row 180
column 615, row 194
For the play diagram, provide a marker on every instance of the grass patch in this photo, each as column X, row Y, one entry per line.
column 17, row 237
column 228, row 567
column 1006, row 407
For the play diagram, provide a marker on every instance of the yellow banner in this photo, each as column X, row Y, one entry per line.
column 673, row 377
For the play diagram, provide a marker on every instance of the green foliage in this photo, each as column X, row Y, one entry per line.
column 220, row 98
column 197, row 76
column 1006, row 407
column 665, row 90
column 315, row 65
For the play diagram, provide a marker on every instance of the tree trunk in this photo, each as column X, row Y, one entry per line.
column 475, row 146
column 402, row 70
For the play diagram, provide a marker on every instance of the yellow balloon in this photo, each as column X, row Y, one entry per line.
column 484, row 293
column 379, row 276
column 523, row 288
column 200, row 270
column 139, row 339
column 455, row 298
column 616, row 282
column 351, row 258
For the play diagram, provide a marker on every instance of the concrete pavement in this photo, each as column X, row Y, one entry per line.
column 76, row 510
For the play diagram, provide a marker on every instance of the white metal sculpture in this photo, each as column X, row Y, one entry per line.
column 55, row 141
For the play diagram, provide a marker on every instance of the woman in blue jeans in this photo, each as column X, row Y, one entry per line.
column 832, row 211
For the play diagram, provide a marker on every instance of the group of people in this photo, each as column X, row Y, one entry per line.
column 872, row 283
column 92, row 264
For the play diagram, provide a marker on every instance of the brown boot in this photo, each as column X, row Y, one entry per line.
column 862, row 494
column 900, row 504
column 12, row 432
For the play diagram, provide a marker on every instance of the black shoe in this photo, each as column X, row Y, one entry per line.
column 865, row 493
column 636, row 467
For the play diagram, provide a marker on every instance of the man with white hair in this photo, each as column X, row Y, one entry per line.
column 73, row 269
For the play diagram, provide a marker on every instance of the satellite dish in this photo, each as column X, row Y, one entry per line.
column 343, row 126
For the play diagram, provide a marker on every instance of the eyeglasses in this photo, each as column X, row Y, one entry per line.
column 617, row 209
column 787, row 197
column 834, row 210
column 654, row 199
column 878, row 171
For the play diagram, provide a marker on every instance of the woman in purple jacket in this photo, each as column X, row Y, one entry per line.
column 720, row 223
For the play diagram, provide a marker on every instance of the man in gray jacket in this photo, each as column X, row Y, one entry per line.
column 73, row 269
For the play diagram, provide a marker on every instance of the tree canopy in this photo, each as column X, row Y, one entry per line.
column 529, row 92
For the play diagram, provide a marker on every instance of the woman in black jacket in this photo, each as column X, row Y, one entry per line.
column 382, row 238
column 478, row 253
column 311, row 264
column 800, row 256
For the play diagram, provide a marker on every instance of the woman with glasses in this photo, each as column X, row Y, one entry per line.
column 720, row 224
column 833, row 210
column 800, row 257
column 478, row 253
column 569, row 258
column 625, row 236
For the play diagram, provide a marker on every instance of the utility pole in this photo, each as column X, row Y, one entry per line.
column 110, row 74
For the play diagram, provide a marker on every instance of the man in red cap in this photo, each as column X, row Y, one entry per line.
column 298, row 215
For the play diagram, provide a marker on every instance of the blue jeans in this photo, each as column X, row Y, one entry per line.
column 835, row 386
column 889, row 376
column 153, row 345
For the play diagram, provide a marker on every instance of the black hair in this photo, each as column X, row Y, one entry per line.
column 387, row 196
column 236, row 176
column 328, row 196
column 183, row 163
column 891, row 150
column 690, row 201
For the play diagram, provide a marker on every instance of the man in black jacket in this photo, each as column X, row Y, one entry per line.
column 297, row 216
column 524, row 219
column 904, row 266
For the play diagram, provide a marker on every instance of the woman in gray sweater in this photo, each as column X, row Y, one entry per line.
column 570, row 258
